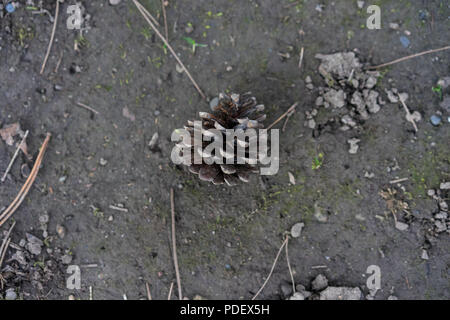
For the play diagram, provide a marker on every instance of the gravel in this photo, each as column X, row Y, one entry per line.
column 319, row 283
column 340, row 293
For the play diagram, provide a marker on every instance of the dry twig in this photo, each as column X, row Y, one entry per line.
column 51, row 37
column 289, row 264
column 87, row 107
column 5, row 244
column 147, row 287
column 300, row 61
column 409, row 57
column 408, row 114
column 165, row 19
column 146, row 17
column 174, row 245
column 14, row 156
column 283, row 115
column 28, row 183
column 169, row 296
column 271, row 270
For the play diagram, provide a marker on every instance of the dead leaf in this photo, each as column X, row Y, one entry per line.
column 9, row 131
column 291, row 178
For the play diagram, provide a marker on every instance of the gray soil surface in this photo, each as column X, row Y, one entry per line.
column 227, row 237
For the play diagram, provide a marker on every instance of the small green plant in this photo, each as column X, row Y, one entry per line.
column 194, row 44
column 438, row 89
column 317, row 161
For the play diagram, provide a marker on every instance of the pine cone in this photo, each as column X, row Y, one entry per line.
column 231, row 112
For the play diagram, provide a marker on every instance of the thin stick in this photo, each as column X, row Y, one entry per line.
column 149, row 15
column 28, row 183
column 283, row 115
column 165, row 19
column 170, row 291
column 408, row 114
column 398, row 180
column 142, row 10
column 51, row 37
column 147, row 287
column 87, row 107
column 300, row 62
column 59, row 62
column 289, row 264
column 14, row 156
column 409, row 57
column 174, row 245
column 5, row 244
column 271, row 270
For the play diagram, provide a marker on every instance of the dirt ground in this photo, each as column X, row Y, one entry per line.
column 227, row 237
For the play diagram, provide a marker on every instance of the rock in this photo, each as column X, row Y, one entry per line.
column 371, row 99
column 445, row 104
column 66, row 259
column 441, row 215
column 153, row 141
column 357, row 100
column 392, row 95
column 443, row 205
column 445, row 186
column 394, row 26
column 103, row 162
column 300, row 288
column 444, row 82
column 34, row 245
column 179, row 68
column 353, row 145
column 296, row 229
column 440, row 226
column 424, row 255
column 311, row 123
column 435, row 120
column 61, row 231
column 335, row 98
column 319, row 101
column 391, row 297
column 297, row 296
column 10, row 294
column 114, row 2
column 338, row 64
column 340, row 293
column 405, row 41
column 348, row 121
column 308, row 79
column 360, row 4
column 371, row 82
column 213, row 103
column 44, row 218
column 286, row 290
column 319, row 283
column 401, row 226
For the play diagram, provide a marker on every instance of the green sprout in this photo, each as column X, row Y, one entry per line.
column 438, row 90
column 194, row 44
column 317, row 162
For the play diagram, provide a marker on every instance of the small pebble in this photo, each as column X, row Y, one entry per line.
column 401, row 226
column 114, row 2
column 405, row 41
column 296, row 229
column 11, row 294
column 61, row 231
column 435, row 120
column 10, row 8
column 445, row 186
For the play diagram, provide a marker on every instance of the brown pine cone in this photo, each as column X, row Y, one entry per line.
column 229, row 112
